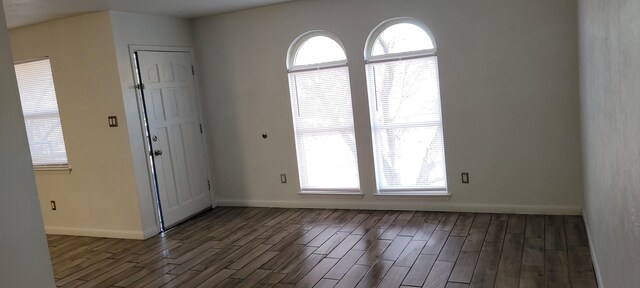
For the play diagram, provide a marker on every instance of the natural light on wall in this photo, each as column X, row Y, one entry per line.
column 40, row 108
column 323, row 118
column 404, row 98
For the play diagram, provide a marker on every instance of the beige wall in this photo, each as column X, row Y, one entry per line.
column 509, row 86
column 24, row 258
column 98, row 197
column 609, row 72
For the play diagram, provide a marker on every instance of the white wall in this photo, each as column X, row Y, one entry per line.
column 98, row 198
column 610, row 69
column 140, row 29
column 509, row 93
column 24, row 260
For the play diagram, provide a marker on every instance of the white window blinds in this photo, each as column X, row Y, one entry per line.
column 407, row 125
column 40, row 108
column 323, row 122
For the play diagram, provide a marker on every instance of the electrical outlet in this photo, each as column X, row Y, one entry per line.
column 53, row 205
column 465, row 177
column 283, row 178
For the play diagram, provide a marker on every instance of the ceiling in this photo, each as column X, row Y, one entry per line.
column 25, row 12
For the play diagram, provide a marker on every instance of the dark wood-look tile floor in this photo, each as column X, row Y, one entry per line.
column 266, row 247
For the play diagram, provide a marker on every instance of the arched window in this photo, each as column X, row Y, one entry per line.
column 322, row 114
column 404, row 97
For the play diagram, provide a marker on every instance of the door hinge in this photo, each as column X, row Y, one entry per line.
column 193, row 71
column 200, row 128
column 209, row 184
column 140, row 86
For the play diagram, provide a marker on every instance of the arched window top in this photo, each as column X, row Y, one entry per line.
column 316, row 48
column 397, row 37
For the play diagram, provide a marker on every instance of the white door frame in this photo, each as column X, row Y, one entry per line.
column 143, row 121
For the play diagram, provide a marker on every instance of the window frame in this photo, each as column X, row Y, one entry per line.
column 297, row 43
column 370, row 60
column 292, row 52
column 62, row 168
column 373, row 36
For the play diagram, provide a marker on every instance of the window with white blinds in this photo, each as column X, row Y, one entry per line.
column 323, row 116
column 40, row 108
column 404, row 98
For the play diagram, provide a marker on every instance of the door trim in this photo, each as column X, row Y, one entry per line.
column 143, row 121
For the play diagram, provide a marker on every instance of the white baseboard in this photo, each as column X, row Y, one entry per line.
column 150, row 232
column 594, row 259
column 122, row 234
column 406, row 205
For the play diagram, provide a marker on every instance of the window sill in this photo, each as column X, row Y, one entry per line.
column 52, row 170
column 432, row 194
column 332, row 193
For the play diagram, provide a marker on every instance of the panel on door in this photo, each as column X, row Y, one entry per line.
column 176, row 136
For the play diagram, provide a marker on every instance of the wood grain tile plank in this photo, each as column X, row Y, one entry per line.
column 451, row 249
column 410, row 253
column 487, row 266
column 316, row 273
column 532, row 271
column 270, row 280
column 394, row 277
column 254, row 264
column 375, row 275
column 463, row 225
column 420, row 270
column 556, row 268
column 209, row 278
column 448, row 222
column 354, row 222
column 395, row 248
column 302, row 269
column 425, row 231
column 456, row 285
column 344, row 246
column 254, row 278
column 326, row 283
column 373, row 253
column 436, row 242
column 342, row 267
column 508, row 274
column 331, row 243
column 438, row 275
column 414, row 224
column 396, row 226
column 353, row 276
column 282, row 257
column 464, row 267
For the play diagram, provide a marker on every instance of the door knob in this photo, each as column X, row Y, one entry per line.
column 157, row 152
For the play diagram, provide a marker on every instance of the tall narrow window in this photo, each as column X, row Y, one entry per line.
column 322, row 114
column 40, row 108
column 404, row 97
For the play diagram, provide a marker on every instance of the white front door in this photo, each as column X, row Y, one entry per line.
column 169, row 94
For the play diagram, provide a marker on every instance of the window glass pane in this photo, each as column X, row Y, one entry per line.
column 410, row 157
column 318, row 49
column 407, row 125
column 46, row 141
column 323, row 121
column 406, row 91
column 402, row 37
column 329, row 159
column 323, row 98
column 40, row 108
